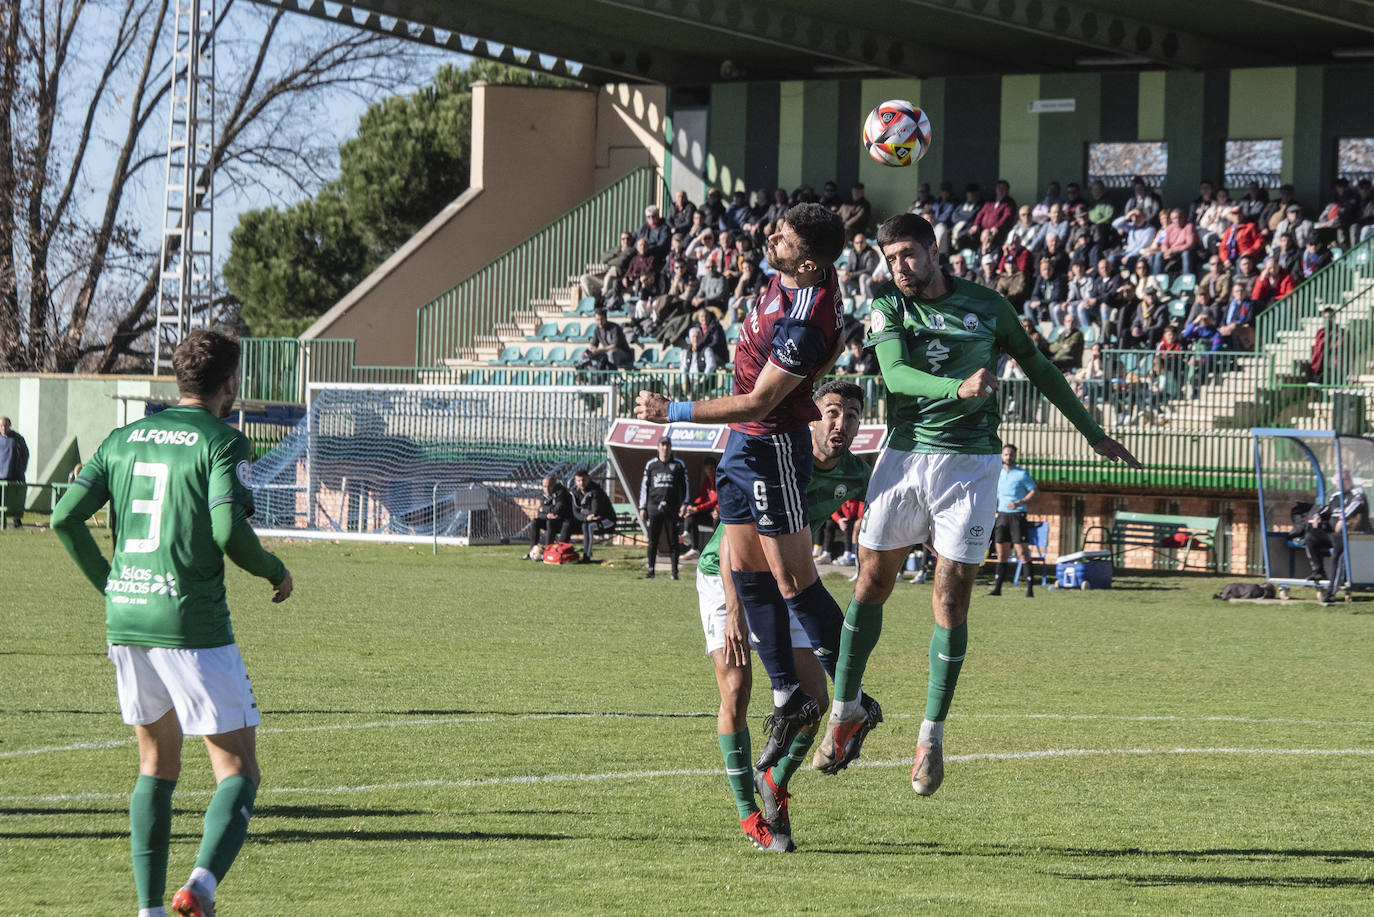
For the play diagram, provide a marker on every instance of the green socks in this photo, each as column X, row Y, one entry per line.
column 226, row 824
column 734, row 748
column 796, row 755
column 947, row 648
column 150, row 836
column 863, row 624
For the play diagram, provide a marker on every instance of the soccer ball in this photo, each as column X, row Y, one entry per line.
column 896, row 133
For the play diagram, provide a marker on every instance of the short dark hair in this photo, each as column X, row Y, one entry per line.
column 906, row 226
column 599, row 312
column 582, row 473
column 1011, row 447
column 820, row 231
column 204, row 361
column 847, row 391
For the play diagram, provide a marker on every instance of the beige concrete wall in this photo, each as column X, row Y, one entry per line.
column 536, row 153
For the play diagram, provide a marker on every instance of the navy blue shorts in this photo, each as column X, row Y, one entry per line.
column 763, row 480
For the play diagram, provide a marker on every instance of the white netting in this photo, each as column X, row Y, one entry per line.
column 453, row 463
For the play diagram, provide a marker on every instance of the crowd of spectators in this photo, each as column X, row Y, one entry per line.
column 1095, row 268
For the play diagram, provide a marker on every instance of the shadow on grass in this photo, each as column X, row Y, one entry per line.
column 1203, row 852
column 1160, row 881
column 303, row 835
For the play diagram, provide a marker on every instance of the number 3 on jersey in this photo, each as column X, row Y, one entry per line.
column 760, row 496
column 152, row 508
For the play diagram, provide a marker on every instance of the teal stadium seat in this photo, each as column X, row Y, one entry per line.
column 1178, row 308
column 649, row 357
column 572, row 331
column 671, row 359
column 586, row 305
column 547, row 332
column 510, row 356
column 555, row 355
column 534, row 356
column 1162, row 281
column 1183, row 283
column 576, row 355
column 732, row 333
column 1090, row 334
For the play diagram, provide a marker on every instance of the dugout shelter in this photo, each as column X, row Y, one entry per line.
column 1297, row 470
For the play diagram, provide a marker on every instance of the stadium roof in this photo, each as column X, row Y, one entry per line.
column 692, row 42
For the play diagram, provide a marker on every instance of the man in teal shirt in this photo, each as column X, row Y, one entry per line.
column 1015, row 487
column 938, row 340
column 179, row 502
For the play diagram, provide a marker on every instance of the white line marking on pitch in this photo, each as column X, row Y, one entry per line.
column 460, row 720
column 713, row 772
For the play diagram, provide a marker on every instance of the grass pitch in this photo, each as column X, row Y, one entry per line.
column 469, row 733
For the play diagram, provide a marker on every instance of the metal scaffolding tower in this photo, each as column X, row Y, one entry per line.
column 186, row 290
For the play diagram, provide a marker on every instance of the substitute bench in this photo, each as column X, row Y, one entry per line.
column 1161, row 533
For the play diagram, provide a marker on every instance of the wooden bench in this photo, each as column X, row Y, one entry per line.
column 1160, row 532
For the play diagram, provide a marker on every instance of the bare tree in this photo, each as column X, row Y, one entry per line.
column 83, row 101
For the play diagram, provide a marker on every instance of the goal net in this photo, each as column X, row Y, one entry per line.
column 457, row 464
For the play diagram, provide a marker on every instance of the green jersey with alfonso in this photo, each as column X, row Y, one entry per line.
column 940, row 343
column 162, row 476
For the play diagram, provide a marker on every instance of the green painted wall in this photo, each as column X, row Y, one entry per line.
column 820, row 126
column 891, row 189
column 1309, row 89
column 1150, row 106
column 726, row 127
column 1183, row 120
column 1263, row 107
column 1019, row 160
column 791, row 137
column 931, row 100
column 1063, row 152
column 53, row 412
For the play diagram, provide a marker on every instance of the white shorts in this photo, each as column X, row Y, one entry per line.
column 711, row 601
column 209, row 689
column 947, row 499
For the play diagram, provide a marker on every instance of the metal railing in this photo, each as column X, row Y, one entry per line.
column 452, row 321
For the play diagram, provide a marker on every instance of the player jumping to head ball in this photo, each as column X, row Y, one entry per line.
column 938, row 340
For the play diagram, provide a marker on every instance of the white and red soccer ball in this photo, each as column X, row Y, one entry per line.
column 896, row 133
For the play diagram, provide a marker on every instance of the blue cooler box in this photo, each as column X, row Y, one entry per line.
column 1084, row 570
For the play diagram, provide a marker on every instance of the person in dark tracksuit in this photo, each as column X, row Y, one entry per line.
column 553, row 523
column 663, row 492
column 592, row 509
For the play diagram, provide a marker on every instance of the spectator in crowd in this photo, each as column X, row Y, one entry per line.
column 830, row 197
column 592, row 510
column 753, row 224
column 806, row 195
column 1273, row 283
column 698, row 363
column 839, row 531
column 1013, row 273
column 1204, row 329
column 1240, row 239
column 1276, row 211
column 698, row 227
column 655, row 232
column 1172, row 249
column 613, row 264
column 1101, row 210
column 773, row 214
column 859, row 362
column 1246, row 274
column 14, row 464
column 923, row 200
column 1088, row 379
column 962, row 230
column 1287, row 254
column 988, row 244
column 704, row 249
column 1362, row 225
column 1315, row 256
column 663, row 493
column 1144, row 281
column 959, row 268
column 1024, row 229
column 751, row 280
column 738, row 213
column 1047, row 294
column 713, row 210
column 999, row 213
column 553, row 522
column 1073, row 201
column 733, row 263
column 987, row 271
column 1237, row 317
column 1333, row 223
column 1214, row 220
column 1254, row 202
column 1206, row 196
column 1081, row 294
column 942, row 216
column 641, row 274
column 1053, row 225
column 677, row 252
column 702, row 512
column 1038, row 339
column 1144, row 200
column 1136, row 233
column 608, row 348
column 676, row 301
column 714, row 290
column 713, row 335
column 1321, row 532
column 1293, row 224
column 1066, row 350
column 1216, row 282
column 1148, row 323
column 1054, row 250
column 1316, row 366
column 1086, row 240
column 857, row 212
column 856, row 276
column 1041, row 212
column 681, row 216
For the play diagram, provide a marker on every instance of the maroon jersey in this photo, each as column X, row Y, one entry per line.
column 796, row 331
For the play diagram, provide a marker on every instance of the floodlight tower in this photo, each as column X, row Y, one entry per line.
column 186, row 289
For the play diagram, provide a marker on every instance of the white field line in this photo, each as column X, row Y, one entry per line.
column 715, row 772
column 462, row 720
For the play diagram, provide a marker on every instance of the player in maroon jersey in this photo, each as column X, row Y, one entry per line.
column 790, row 341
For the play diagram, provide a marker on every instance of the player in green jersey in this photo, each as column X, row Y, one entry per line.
column 839, row 475
column 938, row 340
column 179, row 503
